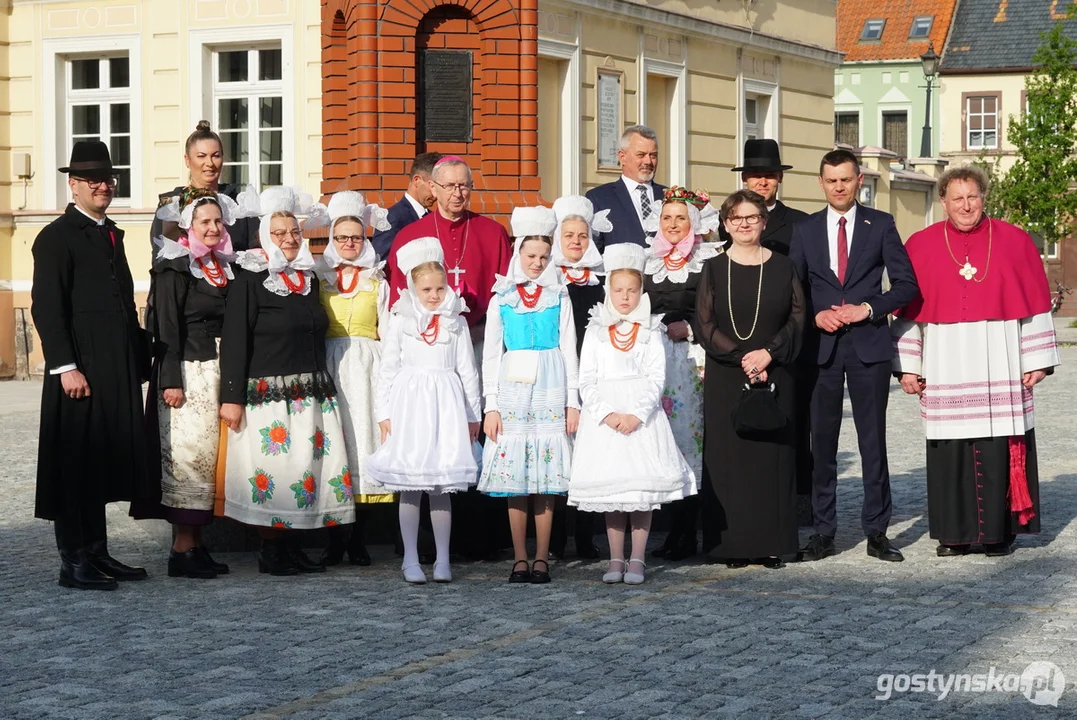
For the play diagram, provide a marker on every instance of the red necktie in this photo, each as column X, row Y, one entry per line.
column 843, row 251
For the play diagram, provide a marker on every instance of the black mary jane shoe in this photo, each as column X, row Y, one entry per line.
column 952, row 550
column 771, row 563
column 98, row 556
column 189, row 564
column 76, row 571
column 218, row 567
column 299, row 558
column 736, row 563
column 275, row 559
column 520, row 576
column 540, row 577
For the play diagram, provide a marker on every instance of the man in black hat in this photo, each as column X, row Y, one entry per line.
column 762, row 173
column 90, row 450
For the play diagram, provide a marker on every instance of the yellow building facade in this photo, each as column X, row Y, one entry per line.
column 140, row 75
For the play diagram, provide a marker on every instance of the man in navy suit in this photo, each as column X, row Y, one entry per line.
column 628, row 197
column 416, row 202
column 840, row 254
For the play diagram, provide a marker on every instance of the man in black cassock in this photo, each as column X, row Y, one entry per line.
column 91, row 446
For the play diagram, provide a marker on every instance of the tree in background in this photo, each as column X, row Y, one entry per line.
column 1038, row 193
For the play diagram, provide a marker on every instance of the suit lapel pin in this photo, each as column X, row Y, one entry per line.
column 867, row 222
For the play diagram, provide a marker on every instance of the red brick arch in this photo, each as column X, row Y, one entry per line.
column 369, row 94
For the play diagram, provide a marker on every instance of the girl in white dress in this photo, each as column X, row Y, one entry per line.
column 427, row 404
column 626, row 461
column 529, row 380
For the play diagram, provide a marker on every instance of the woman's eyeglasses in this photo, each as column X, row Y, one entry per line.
column 281, row 234
column 745, row 219
column 346, row 239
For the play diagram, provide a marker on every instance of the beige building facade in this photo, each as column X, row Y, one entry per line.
column 139, row 75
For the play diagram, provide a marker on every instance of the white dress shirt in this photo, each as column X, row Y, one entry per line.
column 72, row 366
column 634, row 193
column 416, row 205
column 832, row 217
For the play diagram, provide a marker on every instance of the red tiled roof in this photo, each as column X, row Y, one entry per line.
column 895, row 43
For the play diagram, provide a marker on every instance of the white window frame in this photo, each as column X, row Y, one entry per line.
column 102, row 97
column 570, row 111
column 916, row 22
column 968, row 123
column 55, row 53
column 767, row 124
column 677, row 162
column 250, row 90
column 203, row 102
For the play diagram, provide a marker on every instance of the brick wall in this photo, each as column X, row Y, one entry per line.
column 369, row 93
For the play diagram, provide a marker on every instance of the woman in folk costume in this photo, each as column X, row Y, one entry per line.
column 580, row 264
column 677, row 253
column 286, row 467
column 530, row 384
column 428, row 404
column 625, row 462
column 192, row 276
column 355, row 296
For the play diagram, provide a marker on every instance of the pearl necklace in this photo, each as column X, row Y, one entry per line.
column 758, row 296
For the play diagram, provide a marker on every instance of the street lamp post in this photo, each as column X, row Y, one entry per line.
column 930, row 63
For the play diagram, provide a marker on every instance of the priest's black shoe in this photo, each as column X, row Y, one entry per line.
column 218, row 567
column 879, row 547
column 818, row 547
column 998, row 549
column 951, row 550
column 99, row 557
column 299, row 558
column 736, row 563
column 274, row 558
column 671, row 541
column 771, row 563
column 189, row 564
column 76, row 571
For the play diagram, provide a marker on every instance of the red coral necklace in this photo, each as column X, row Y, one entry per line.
column 294, row 287
column 430, row 335
column 214, row 272
column 582, row 279
column 624, row 341
column 529, row 300
column 340, row 280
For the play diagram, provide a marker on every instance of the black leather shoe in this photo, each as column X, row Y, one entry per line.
column 299, row 558
column 736, row 563
column 97, row 554
column 358, row 555
column 520, row 576
column 879, row 547
column 218, row 567
column 76, row 571
column 951, row 550
column 189, row 564
column 274, row 559
column 540, row 577
column 334, row 552
column 586, row 550
column 672, row 540
column 818, row 547
column 998, row 549
column 771, row 563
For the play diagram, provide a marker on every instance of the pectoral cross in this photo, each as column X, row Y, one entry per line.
column 968, row 270
column 457, row 271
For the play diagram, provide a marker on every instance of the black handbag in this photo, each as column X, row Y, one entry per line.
column 757, row 411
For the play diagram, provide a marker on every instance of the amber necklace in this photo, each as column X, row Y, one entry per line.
column 340, row 280
column 294, row 287
column 624, row 341
column 529, row 300
column 729, row 296
column 967, row 271
column 582, row 279
column 214, row 272
column 430, row 335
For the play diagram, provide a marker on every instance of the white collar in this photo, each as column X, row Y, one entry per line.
column 96, row 221
column 416, row 317
column 415, row 205
column 632, row 185
column 832, row 215
column 770, row 208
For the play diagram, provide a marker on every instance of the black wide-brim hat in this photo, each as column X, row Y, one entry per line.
column 89, row 159
column 762, row 156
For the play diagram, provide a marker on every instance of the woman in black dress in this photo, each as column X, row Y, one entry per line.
column 750, row 315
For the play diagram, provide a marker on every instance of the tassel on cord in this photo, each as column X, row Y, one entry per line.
column 1020, row 500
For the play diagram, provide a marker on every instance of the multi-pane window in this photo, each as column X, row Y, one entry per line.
column 847, row 129
column 921, row 26
column 981, row 122
column 98, row 107
column 896, row 132
column 249, row 114
column 873, row 30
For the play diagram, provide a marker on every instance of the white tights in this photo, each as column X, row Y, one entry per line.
column 440, row 520
column 615, row 533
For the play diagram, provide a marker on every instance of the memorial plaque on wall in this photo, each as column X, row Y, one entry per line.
column 445, row 95
column 608, row 86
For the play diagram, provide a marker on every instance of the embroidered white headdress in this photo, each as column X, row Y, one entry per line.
column 579, row 206
column 528, row 222
column 623, row 256
column 190, row 246
column 273, row 200
column 349, row 203
column 410, row 256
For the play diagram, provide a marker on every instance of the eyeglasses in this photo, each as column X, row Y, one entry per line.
column 462, row 188
column 745, row 219
column 95, row 184
column 280, row 234
column 345, row 239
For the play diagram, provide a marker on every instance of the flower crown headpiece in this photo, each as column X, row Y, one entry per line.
column 699, row 199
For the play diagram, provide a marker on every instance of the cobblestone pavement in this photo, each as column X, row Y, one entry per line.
column 696, row 640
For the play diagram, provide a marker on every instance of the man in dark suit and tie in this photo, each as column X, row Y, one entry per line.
column 840, row 254
column 416, row 203
column 628, row 197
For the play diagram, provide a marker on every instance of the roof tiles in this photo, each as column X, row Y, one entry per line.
column 894, row 44
column 1002, row 34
